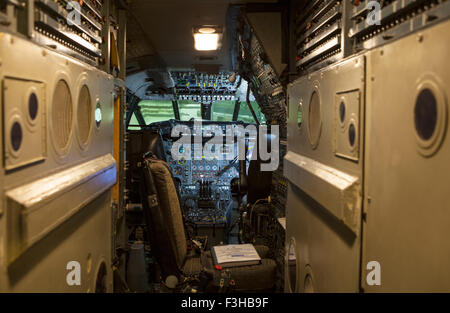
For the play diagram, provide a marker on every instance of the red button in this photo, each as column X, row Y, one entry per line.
column 218, row 267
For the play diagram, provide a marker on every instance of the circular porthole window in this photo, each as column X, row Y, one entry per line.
column 308, row 284
column 16, row 136
column 84, row 115
column 308, row 281
column 291, row 265
column 98, row 115
column 425, row 114
column 300, row 114
column 33, row 106
column 101, row 279
column 342, row 112
column 352, row 135
column 62, row 115
column 430, row 117
column 314, row 119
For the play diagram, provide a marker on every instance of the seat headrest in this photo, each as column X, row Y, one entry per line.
column 152, row 142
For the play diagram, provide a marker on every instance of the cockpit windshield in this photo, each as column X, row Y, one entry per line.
column 221, row 111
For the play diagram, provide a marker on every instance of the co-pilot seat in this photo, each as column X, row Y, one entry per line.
column 170, row 245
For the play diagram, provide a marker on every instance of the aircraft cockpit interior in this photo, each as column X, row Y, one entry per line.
column 224, row 146
column 221, row 196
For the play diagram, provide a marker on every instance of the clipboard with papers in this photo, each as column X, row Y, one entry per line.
column 235, row 255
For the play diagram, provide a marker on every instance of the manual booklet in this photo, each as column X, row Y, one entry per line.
column 235, row 255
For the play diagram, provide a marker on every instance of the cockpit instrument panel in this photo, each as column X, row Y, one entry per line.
column 203, row 169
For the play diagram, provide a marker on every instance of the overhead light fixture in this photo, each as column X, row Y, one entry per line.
column 207, row 38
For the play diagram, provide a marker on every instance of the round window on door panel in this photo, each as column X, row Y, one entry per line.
column 300, row 114
column 425, row 114
column 84, row 115
column 101, row 285
column 98, row 115
column 342, row 112
column 352, row 135
column 430, row 117
column 33, row 106
column 314, row 119
column 16, row 136
column 62, row 114
column 291, row 264
column 308, row 281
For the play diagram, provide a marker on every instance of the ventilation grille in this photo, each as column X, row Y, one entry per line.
column 70, row 27
column 318, row 32
column 396, row 19
column 84, row 115
column 62, row 115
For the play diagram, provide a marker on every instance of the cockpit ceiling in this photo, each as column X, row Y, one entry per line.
column 167, row 27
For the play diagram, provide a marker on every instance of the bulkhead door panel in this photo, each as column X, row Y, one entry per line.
column 407, row 167
column 57, row 170
column 324, row 168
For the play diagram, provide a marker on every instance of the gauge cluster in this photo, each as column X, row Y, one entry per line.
column 191, row 172
column 204, row 173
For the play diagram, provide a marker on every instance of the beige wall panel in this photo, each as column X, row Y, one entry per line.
column 324, row 198
column 407, row 178
column 41, row 229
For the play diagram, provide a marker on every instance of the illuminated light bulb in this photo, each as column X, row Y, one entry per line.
column 206, row 42
column 207, row 30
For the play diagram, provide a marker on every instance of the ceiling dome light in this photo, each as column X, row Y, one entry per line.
column 207, row 37
column 207, row 30
column 206, row 42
